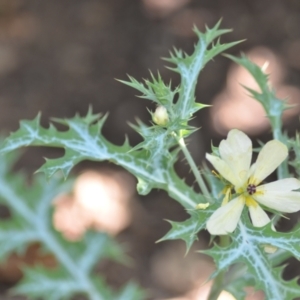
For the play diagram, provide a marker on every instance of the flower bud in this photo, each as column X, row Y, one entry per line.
column 160, row 116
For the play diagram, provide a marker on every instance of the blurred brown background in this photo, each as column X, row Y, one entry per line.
column 61, row 56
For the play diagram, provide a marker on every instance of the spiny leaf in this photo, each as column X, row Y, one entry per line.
column 39, row 282
column 14, row 237
column 189, row 67
column 247, row 246
column 157, row 141
column 188, row 230
column 236, row 280
column 154, row 89
column 272, row 105
column 89, row 250
column 31, row 221
column 83, row 140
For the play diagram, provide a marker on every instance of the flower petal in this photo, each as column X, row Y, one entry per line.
column 286, row 202
column 224, row 220
column 269, row 158
column 258, row 216
column 236, row 151
column 283, row 185
column 221, row 166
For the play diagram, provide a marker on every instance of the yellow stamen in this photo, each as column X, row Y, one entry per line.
column 250, row 201
column 216, row 174
column 254, row 181
column 202, row 206
column 227, row 192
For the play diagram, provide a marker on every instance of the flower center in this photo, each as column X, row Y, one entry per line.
column 251, row 189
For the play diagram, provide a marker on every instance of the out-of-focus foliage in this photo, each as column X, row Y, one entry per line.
column 31, row 221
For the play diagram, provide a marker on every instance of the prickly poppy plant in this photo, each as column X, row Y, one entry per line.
column 237, row 204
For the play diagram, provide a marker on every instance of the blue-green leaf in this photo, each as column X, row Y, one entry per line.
column 248, row 247
column 83, row 140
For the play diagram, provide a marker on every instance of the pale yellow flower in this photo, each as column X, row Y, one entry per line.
column 234, row 165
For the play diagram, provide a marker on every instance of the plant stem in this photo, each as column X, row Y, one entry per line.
column 276, row 123
column 218, row 283
column 194, row 168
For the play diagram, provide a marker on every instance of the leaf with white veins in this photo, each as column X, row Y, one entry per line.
column 83, row 141
column 247, row 247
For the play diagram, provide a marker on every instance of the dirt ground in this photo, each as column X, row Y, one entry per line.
column 61, row 56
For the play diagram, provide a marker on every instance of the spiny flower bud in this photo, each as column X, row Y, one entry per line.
column 160, row 116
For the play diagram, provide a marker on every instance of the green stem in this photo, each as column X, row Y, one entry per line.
column 194, row 168
column 218, row 284
column 276, row 123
